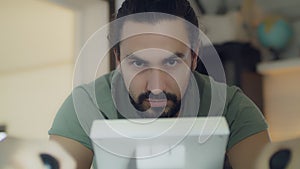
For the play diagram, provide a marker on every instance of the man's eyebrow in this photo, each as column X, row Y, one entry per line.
column 132, row 56
column 136, row 58
column 179, row 54
column 176, row 54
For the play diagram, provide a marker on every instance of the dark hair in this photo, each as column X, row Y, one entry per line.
column 178, row 8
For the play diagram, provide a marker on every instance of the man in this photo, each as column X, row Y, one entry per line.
column 156, row 72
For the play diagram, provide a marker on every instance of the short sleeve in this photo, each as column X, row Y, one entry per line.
column 244, row 118
column 66, row 124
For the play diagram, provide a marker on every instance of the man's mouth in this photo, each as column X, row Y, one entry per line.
column 157, row 102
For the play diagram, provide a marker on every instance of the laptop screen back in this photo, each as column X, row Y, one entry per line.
column 167, row 143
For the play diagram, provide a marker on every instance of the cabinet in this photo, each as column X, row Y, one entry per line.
column 239, row 62
column 281, row 97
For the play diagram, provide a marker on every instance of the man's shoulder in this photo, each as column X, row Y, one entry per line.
column 101, row 85
column 104, row 80
column 206, row 84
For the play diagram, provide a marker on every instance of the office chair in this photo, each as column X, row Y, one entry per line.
column 280, row 155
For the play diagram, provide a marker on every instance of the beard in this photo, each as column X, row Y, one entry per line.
column 145, row 110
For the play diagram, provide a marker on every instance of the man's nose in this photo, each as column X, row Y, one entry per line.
column 155, row 81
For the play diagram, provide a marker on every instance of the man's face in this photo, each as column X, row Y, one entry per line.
column 156, row 68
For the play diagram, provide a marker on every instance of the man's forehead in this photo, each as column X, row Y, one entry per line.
column 173, row 28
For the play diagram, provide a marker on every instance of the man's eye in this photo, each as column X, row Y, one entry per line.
column 138, row 64
column 171, row 62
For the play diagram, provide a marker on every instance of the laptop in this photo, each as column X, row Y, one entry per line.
column 164, row 143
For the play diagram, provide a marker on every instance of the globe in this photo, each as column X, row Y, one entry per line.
column 274, row 33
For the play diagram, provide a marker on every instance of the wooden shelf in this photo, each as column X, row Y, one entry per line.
column 279, row 67
column 287, row 8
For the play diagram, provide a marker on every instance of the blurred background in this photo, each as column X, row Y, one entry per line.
column 258, row 42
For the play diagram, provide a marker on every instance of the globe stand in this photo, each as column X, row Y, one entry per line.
column 275, row 53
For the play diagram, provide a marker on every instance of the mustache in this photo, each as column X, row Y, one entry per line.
column 171, row 111
column 163, row 95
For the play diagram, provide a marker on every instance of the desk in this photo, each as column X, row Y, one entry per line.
column 281, row 96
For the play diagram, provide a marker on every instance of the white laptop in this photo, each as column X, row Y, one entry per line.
column 166, row 143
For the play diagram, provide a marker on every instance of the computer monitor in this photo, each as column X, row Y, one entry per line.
column 165, row 143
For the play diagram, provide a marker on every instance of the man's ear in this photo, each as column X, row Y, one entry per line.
column 117, row 56
column 194, row 55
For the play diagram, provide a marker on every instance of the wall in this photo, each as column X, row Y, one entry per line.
column 30, row 99
column 90, row 18
column 36, row 53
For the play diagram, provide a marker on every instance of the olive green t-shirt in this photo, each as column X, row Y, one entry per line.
column 243, row 117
